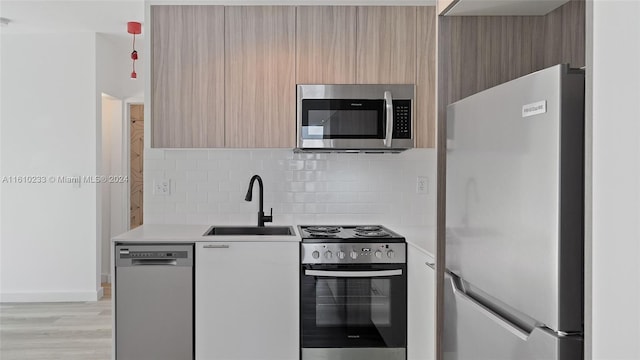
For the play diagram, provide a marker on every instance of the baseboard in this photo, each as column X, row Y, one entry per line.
column 75, row 296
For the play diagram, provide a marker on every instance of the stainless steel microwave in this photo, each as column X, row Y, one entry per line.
column 364, row 118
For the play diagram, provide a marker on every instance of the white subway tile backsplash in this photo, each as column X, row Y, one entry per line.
column 156, row 154
column 197, row 176
column 218, row 197
column 305, row 197
column 207, row 208
column 197, row 219
column 159, row 164
column 315, row 208
column 205, row 165
column 186, row 164
column 186, row 207
column 191, row 154
column 208, row 186
column 196, row 197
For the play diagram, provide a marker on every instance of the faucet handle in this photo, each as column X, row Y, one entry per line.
column 269, row 218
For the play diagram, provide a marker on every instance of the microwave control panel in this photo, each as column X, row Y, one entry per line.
column 402, row 119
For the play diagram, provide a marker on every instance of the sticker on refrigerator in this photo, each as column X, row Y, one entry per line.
column 535, row 108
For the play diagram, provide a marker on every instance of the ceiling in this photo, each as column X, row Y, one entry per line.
column 46, row 16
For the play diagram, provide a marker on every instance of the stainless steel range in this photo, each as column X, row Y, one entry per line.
column 353, row 288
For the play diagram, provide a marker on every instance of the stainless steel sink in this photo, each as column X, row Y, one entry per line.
column 249, row 230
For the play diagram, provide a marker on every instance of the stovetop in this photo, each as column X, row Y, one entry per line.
column 348, row 233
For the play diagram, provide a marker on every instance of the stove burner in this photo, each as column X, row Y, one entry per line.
column 323, row 229
column 368, row 228
column 372, row 234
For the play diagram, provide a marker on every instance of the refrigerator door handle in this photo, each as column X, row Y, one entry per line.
column 514, row 329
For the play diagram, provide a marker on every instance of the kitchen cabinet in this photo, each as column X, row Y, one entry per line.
column 498, row 7
column 187, row 76
column 421, row 308
column 326, row 45
column 260, row 93
column 425, row 114
column 225, row 76
column 246, row 300
column 386, row 45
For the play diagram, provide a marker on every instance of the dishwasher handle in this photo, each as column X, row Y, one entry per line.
column 146, row 262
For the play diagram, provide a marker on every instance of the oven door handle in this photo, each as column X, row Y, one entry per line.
column 353, row 274
column 388, row 103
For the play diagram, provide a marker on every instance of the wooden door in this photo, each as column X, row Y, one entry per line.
column 386, row 45
column 260, row 76
column 326, row 45
column 187, row 76
column 136, row 116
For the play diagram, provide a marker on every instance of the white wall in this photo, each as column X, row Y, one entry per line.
column 208, row 187
column 48, row 237
column 113, row 195
column 613, row 30
column 51, row 234
column 113, row 66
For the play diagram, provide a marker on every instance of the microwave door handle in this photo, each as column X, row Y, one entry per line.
column 388, row 103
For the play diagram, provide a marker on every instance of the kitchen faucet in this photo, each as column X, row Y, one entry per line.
column 261, row 217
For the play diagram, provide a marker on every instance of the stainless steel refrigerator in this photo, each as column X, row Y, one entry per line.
column 515, row 217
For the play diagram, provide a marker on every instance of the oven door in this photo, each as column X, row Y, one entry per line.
column 354, row 306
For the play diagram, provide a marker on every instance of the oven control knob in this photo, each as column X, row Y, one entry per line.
column 379, row 254
column 328, row 254
column 353, row 254
column 391, row 254
column 315, row 254
column 340, row 255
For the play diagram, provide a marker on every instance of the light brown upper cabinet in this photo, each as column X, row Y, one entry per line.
column 326, row 45
column 386, row 45
column 225, row 76
column 260, row 95
column 425, row 113
column 187, row 76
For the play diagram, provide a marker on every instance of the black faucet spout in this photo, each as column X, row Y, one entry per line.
column 261, row 217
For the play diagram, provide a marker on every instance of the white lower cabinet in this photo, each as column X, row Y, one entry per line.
column 246, row 301
column 421, row 306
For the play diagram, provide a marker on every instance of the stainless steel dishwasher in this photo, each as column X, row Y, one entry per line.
column 154, row 302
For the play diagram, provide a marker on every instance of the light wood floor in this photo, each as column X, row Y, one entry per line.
column 57, row 331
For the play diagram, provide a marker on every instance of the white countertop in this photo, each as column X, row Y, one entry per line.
column 421, row 238
column 153, row 233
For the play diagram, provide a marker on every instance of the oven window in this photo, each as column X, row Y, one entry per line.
column 353, row 302
column 353, row 311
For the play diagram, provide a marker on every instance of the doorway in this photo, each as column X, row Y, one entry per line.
column 136, row 131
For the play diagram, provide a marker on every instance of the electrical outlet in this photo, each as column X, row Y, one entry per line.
column 422, row 185
column 161, row 187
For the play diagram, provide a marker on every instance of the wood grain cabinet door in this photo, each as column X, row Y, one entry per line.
column 425, row 110
column 187, row 76
column 326, row 45
column 386, row 45
column 260, row 67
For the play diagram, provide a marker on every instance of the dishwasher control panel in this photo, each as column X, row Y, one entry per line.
column 138, row 255
column 127, row 254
